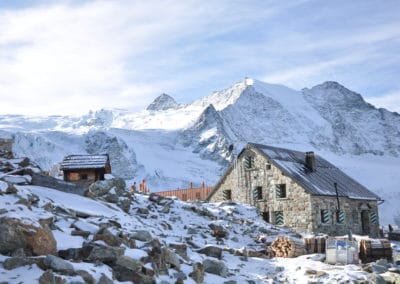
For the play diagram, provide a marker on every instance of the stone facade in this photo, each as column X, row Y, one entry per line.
column 281, row 201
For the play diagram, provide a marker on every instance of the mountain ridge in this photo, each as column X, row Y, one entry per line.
column 173, row 146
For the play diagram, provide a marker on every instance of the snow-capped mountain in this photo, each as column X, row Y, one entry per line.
column 171, row 144
column 163, row 102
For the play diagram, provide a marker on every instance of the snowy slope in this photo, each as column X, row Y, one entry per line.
column 172, row 144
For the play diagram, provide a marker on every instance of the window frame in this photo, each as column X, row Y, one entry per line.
column 283, row 189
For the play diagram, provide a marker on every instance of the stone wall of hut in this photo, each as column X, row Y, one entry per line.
column 297, row 208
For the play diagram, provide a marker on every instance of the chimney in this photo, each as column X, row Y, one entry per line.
column 310, row 161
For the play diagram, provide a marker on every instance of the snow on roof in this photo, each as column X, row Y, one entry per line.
column 318, row 182
column 73, row 162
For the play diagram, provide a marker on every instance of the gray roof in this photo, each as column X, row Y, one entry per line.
column 74, row 162
column 318, row 182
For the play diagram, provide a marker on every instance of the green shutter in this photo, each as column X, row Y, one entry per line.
column 340, row 216
column 279, row 218
column 373, row 218
column 325, row 216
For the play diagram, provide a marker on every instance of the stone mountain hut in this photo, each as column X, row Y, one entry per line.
column 88, row 168
column 299, row 190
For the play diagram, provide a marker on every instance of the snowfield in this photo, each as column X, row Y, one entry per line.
column 171, row 145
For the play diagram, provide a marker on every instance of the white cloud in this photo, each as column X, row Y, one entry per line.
column 390, row 101
column 75, row 56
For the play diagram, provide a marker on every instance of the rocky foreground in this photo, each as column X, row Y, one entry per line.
column 113, row 235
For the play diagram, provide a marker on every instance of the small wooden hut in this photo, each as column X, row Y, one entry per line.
column 85, row 167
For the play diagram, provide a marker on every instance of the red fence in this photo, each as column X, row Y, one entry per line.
column 188, row 194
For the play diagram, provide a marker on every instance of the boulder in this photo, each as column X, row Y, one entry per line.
column 100, row 188
column 198, row 272
column 215, row 267
column 105, row 280
column 169, row 257
column 374, row 278
column 58, row 264
column 124, row 203
column 391, row 277
column 107, row 237
column 180, row 249
column 15, row 262
column 211, row 251
column 141, row 235
column 49, row 277
column 101, row 253
column 35, row 240
column 129, row 263
column 218, row 231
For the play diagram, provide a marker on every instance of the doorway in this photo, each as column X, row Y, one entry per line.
column 365, row 222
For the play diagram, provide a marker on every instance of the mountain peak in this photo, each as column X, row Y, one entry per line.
column 163, row 102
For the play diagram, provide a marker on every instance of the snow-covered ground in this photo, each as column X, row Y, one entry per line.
column 181, row 222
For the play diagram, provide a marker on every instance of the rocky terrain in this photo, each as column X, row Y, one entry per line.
column 108, row 234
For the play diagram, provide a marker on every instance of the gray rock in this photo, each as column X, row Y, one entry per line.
column 15, row 262
column 123, row 274
column 125, row 204
column 105, row 280
column 215, row 267
column 379, row 268
column 105, row 254
column 141, row 235
column 180, row 249
column 129, row 263
column 107, row 237
column 218, row 231
column 391, row 277
column 100, row 188
column 374, row 278
column 86, row 276
column 142, row 211
column 170, row 258
column 71, row 253
column 111, row 197
column 58, row 264
column 211, row 251
column 49, row 277
column 198, row 272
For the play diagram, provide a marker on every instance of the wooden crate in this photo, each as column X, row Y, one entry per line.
column 315, row 244
column 374, row 249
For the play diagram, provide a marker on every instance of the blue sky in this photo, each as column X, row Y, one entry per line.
column 68, row 57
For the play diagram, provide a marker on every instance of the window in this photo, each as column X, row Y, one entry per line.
column 227, row 194
column 281, row 190
column 249, row 162
column 325, row 216
column 268, row 166
column 184, row 197
column 197, row 195
column 278, row 217
column 265, row 216
column 258, row 193
column 84, row 176
column 340, row 216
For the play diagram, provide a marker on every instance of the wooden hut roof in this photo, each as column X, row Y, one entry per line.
column 76, row 162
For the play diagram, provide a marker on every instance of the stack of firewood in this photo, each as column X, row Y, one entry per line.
column 288, row 247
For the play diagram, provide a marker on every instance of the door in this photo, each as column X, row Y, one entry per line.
column 365, row 222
